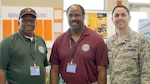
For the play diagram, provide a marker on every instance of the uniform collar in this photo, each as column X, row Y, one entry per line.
column 126, row 38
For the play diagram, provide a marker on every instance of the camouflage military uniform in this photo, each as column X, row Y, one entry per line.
column 129, row 59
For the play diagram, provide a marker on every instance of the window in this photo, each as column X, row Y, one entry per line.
column 135, row 16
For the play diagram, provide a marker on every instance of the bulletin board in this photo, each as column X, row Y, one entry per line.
column 49, row 22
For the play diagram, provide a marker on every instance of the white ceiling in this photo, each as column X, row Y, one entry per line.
column 139, row 1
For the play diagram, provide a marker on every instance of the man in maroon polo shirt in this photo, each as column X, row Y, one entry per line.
column 79, row 54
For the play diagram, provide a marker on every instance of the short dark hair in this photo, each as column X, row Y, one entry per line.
column 121, row 6
column 83, row 11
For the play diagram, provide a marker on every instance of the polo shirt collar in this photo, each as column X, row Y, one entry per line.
column 24, row 37
column 84, row 33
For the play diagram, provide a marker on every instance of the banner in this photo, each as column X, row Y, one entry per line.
column 144, row 27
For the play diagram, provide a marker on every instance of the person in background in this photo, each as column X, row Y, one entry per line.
column 128, row 51
column 79, row 55
column 23, row 55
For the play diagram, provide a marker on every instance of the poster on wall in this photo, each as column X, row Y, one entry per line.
column 144, row 27
column 97, row 22
column 58, row 19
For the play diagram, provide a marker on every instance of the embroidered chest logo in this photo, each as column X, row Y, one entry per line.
column 85, row 47
column 41, row 49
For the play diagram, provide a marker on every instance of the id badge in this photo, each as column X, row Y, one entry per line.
column 34, row 70
column 71, row 68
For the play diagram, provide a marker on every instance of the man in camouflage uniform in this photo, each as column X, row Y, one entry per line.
column 128, row 51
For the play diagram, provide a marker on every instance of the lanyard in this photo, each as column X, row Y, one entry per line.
column 29, row 48
column 72, row 52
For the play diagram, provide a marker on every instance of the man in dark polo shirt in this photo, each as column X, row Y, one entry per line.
column 23, row 55
column 79, row 54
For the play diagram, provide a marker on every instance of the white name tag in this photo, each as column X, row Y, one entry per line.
column 34, row 70
column 71, row 68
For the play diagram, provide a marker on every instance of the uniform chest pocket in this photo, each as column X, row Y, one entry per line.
column 130, row 53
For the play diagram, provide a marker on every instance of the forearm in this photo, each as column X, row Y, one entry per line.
column 53, row 78
column 2, row 77
column 102, row 79
column 54, row 74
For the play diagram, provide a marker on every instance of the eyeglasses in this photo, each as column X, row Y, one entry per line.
column 28, row 20
column 74, row 15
